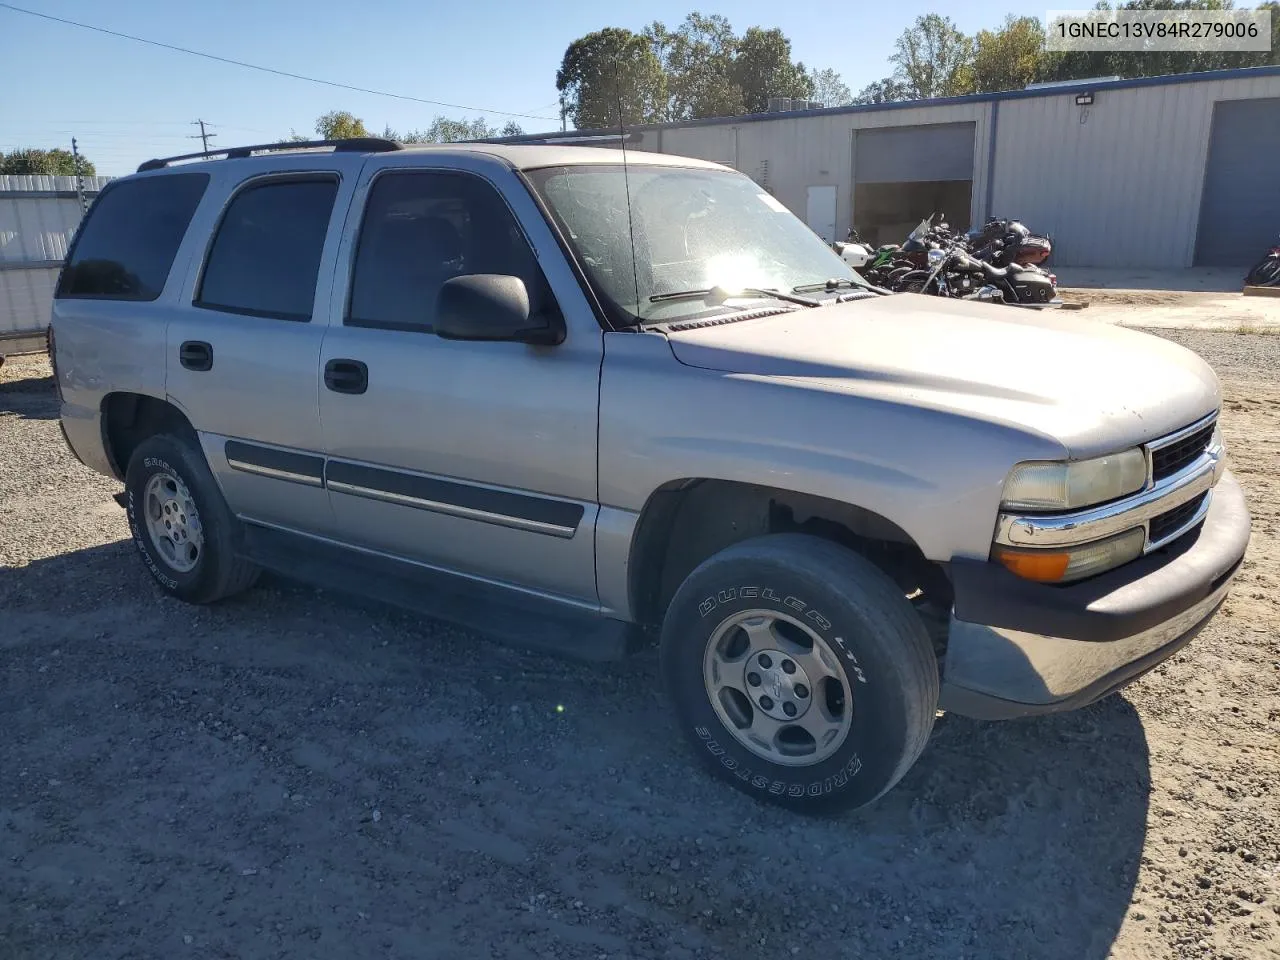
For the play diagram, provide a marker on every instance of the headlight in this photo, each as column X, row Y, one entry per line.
column 1065, row 564
column 1062, row 485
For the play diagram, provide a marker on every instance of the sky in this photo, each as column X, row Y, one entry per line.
column 125, row 102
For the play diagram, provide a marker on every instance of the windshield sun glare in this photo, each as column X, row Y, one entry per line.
column 693, row 229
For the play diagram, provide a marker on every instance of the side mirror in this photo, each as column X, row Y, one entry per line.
column 490, row 306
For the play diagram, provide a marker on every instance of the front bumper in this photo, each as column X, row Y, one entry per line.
column 1018, row 648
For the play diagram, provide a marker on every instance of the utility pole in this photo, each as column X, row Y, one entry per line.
column 75, row 155
column 203, row 136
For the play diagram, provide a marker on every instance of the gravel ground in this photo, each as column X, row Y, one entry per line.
column 290, row 774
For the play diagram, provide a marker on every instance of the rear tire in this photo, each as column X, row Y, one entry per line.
column 181, row 524
column 799, row 672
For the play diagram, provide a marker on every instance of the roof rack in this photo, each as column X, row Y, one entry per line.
column 349, row 145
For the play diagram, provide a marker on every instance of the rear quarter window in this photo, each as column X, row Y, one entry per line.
column 126, row 246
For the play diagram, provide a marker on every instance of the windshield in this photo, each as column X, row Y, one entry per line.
column 694, row 230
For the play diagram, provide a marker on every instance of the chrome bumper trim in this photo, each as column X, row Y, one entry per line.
column 1096, row 523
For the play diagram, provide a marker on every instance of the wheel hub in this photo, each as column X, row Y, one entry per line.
column 778, row 685
column 173, row 523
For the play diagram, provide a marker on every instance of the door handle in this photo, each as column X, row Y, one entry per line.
column 196, row 355
column 346, row 376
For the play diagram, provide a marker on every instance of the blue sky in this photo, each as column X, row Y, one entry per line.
column 125, row 102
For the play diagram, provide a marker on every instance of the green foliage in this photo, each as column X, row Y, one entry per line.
column 829, row 89
column 448, row 130
column 1072, row 66
column 763, row 68
column 887, row 90
column 612, row 77
column 697, row 58
column 1010, row 57
column 699, row 69
column 340, row 125
column 49, row 163
column 933, row 58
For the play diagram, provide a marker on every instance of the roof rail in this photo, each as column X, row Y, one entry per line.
column 349, row 145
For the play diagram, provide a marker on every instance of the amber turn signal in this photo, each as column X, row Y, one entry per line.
column 1034, row 564
column 1072, row 563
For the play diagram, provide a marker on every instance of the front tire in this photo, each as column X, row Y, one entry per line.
column 799, row 672
column 180, row 523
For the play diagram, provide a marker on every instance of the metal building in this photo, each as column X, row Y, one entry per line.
column 38, row 218
column 1154, row 172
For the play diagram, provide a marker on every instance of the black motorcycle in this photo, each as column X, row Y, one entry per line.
column 1266, row 272
column 1006, row 242
column 954, row 272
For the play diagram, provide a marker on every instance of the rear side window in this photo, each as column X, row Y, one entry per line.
column 265, row 258
column 127, row 243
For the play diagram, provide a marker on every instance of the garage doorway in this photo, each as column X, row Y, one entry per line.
column 1240, row 206
column 903, row 174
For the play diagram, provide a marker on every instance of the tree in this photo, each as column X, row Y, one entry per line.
column 829, row 89
column 610, row 77
column 887, row 90
column 697, row 58
column 49, row 163
column 340, row 125
column 934, row 59
column 1076, row 65
column 1009, row 58
column 449, row 130
column 762, row 68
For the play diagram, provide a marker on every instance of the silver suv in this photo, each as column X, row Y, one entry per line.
column 570, row 397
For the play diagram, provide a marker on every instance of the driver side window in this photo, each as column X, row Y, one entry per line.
column 420, row 229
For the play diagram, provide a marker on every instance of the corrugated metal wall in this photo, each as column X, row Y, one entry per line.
column 1117, row 183
column 790, row 154
column 38, row 218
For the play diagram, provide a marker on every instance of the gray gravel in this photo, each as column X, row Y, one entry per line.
column 291, row 774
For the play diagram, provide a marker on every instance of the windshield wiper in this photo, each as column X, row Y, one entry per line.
column 719, row 293
column 835, row 283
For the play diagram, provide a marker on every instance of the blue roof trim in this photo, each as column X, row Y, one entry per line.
column 1071, row 91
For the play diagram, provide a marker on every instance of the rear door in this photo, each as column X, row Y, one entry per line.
column 244, row 344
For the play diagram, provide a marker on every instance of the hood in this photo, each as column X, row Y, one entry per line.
column 1092, row 387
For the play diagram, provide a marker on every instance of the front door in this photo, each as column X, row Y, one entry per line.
column 475, row 457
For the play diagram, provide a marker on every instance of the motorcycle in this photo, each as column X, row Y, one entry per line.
column 1005, row 241
column 954, row 272
column 854, row 251
column 1266, row 272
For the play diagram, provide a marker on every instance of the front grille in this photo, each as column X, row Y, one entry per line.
column 1172, row 520
column 1166, row 461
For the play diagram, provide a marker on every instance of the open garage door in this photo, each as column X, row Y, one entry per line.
column 903, row 174
column 1240, row 207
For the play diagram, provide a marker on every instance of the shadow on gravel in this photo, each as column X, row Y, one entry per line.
column 292, row 775
column 32, row 398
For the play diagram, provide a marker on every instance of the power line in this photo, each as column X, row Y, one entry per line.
column 272, row 70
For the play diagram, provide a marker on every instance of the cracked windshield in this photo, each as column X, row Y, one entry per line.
column 699, row 235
